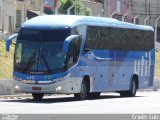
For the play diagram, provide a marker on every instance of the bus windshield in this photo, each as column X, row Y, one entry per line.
column 40, row 51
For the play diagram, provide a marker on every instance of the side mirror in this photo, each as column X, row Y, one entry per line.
column 9, row 40
column 67, row 42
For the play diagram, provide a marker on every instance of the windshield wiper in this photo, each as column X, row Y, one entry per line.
column 46, row 64
column 30, row 62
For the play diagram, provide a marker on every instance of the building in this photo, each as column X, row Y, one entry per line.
column 96, row 7
column 119, row 9
column 111, row 8
column 27, row 9
column 14, row 12
column 7, row 15
column 145, row 12
column 146, row 9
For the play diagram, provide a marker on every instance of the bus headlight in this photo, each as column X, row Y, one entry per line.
column 17, row 88
column 59, row 88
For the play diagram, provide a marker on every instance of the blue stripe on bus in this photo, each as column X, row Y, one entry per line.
column 105, row 57
column 39, row 77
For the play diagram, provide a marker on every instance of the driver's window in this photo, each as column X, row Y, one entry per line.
column 70, row 55
column 74, row 51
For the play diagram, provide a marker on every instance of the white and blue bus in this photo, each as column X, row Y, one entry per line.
column 84, row 56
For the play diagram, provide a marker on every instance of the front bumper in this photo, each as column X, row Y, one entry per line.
column 58, row 87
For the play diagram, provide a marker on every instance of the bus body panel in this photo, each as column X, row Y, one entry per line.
column 115, row 73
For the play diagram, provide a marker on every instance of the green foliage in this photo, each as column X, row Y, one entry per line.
column 65, row 4
column 81, row 10
column 88, row 12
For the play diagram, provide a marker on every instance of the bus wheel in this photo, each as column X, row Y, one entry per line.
column 83, row 92
column 37, row 96
column 132, row 91
column 94, row 95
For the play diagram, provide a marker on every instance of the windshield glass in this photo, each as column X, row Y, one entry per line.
column 40, row 51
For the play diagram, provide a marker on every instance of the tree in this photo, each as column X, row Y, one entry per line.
column 64, row 5
column 88, row 12
column 48, row 9
column 81, row 10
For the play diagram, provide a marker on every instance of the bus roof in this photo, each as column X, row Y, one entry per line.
column 54, row 21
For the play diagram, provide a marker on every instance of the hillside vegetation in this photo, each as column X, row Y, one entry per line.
column 6, row 61
column 157, row 65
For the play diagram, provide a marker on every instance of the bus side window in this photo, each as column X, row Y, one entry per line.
column 87, row 46
column 92, row 37
column 104, row 38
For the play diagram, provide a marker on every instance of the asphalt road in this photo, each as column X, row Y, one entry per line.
column 144, row 102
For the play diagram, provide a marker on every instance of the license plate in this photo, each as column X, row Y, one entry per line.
column 36, row 88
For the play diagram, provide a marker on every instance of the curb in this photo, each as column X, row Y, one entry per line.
column 6, row 87
column 156, row 84
column 16, row 95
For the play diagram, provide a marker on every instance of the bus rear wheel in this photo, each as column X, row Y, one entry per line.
column 37, row 96
column 132, row 91
column 83, row 92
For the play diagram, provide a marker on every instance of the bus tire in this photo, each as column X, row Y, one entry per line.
column 37, row 96
column 133, row 88
column 132, row 91
column 94, row 95
column 83, row 92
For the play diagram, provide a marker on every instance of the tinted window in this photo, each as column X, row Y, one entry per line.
column 44, row 35
column 40, row 51
column 119, row 39
column 104, row 38
column 92, row 41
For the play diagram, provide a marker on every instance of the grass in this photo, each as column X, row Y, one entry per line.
column 157, row 65
column 6, row 62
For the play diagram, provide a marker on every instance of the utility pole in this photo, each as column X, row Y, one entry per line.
column 123, row 17
column 3, row 16
column 145, row 6
column 157, row 9
column 134, row 19
column 145, row 20
column 149, row 11
column 75, row 8
column 3, row 19
column 114, row 13
column 68, row 10
column 103, row 9
column 155, row 32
